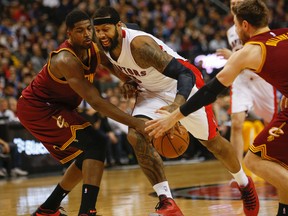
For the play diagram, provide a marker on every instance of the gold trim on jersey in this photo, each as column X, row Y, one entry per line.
column 71, row 157
column 97, row 53
column 73, row 129
column 262, row 148
column 264, row 54
column 73, row 53
column 276, row 39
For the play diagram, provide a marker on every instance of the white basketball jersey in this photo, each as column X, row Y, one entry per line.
column 150, row 78
column 158, row 90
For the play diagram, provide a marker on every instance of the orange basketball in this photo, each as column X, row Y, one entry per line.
column 172, row 148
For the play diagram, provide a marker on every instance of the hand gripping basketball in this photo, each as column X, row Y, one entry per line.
column 172, row 143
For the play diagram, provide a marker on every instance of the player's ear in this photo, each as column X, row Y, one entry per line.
column 120, row 24
column 68, row 32
column 245, row 24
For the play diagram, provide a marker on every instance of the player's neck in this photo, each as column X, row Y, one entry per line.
column 260, row 31
column 115, row 53
column 79, row 51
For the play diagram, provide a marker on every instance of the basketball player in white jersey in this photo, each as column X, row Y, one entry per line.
column 165, row 80
column 249, row 92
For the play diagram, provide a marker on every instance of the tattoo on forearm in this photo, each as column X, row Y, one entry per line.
column 149, row 160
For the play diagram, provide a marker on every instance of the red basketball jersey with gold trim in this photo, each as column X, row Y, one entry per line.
column 48, row 88
column 274, row 45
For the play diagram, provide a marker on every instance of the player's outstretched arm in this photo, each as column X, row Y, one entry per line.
column 209, row 92
column 70, row 68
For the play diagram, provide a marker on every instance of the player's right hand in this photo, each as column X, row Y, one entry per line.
column 225, row 53
column 129, row 89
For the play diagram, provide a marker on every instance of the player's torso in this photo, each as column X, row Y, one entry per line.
column 274, row 65
column 149, row 78
column 50, row 89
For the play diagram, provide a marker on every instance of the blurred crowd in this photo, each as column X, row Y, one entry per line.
column 31, row 29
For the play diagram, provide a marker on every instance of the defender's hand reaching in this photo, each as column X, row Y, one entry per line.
column 157, row 127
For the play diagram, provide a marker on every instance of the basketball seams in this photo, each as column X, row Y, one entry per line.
column 172, row 148
column 171, row 144
column 162, row 144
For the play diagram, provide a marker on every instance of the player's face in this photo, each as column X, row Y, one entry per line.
column 107, row 35
column 81, row 34
column 240, row 30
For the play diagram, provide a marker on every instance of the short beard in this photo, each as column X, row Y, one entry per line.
column 114, row 42
column 86, row 46
column 244, row 38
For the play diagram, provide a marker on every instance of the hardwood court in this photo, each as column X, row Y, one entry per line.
column 126, row 192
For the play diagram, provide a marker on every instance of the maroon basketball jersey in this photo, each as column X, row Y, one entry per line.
column 274, row 67
column 46, row 87
column 271, row 142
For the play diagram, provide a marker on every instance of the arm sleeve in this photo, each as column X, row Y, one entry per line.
column 204, row 96
column 184, row 76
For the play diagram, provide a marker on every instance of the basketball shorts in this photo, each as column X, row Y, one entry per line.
column 272, row 143
column 54, row 126
column 201, row 124
column 249, row 92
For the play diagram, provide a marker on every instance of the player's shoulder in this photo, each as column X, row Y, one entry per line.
column 139, row 41
column 63, row 59
column 250, row 56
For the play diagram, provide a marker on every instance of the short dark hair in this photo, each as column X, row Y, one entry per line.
column 254, row 12
column 106, row 12
column 74, row 17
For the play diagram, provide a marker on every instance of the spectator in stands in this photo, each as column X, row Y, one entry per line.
column 12, row 105
column 37, row 58
column 6, row 115
column 11, row 160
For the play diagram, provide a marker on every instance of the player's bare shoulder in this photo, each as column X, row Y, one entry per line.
column 63, row 62
column 252, row 56
column 146, row 53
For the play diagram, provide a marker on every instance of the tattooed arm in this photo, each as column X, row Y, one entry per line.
column 147, row 53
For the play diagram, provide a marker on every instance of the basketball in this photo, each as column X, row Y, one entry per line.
column 172, row 147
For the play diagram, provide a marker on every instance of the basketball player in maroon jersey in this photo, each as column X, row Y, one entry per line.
column 264, row 53
column 47, row 108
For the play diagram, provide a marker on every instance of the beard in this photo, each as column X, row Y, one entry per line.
column 113, row 42
column 86, row 46
column 244, row 37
